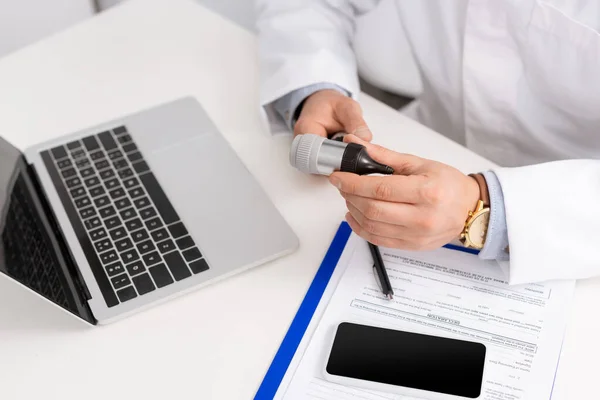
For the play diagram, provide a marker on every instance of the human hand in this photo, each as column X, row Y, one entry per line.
column 423, row 206
column 328, row 111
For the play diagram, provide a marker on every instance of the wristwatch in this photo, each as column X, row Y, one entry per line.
column 475, row 230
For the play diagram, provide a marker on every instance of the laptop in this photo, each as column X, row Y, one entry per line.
column 117, row 218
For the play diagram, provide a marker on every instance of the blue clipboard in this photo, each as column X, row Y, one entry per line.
column 295, row 333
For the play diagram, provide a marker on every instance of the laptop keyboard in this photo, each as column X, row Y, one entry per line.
column 130, row 232
column 28, row 254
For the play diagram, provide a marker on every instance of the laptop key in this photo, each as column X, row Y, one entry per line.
column 58, row 152
column 143, row 284
column 166, row 246
column 120, row 163
column 151, row 258
column 114, row 269
column 146, row 246
column 161, row 275
column 135, row 268
column 177, row 266
column 87, row 212
column 178, row 230
column 136, row 192
column 112, row 222
column 120, row 281
column 107, row 174
column 97, row 191
column 77, row 192
column 126, row 294
column 62, row 164
column 97, row 155
column 111, row 183
column 128, row 213
column 87, row 172
column 107, row 140
column 79, row 153
column 139, row 235
column 140, row 167
column 103, row 245
column 113, row 155
column 153, row 224
column 102, row 201
column 185, row 243
column 82, row 163
column 160, row 199
column 124, row 244
column 124, row 139
column 93, row 181
column 122, row 203
column 68, row 173
column 98, row 234
column 148, row 213
column 102, row 164
column 109, row 257
column 160, row 235
column 82, row 202
column 118, row 233
column 199, row 266
column 133, row 224
column 141, row 203
column 117, row 193
column 120, row 130
column 125, row 173
column 90, row 143
column 130, row 182
column 107, row 212
column 192, row 254
column 129, row 147
column 73, row 145
column 93, row 223
column 135, row 156
column 130, row 256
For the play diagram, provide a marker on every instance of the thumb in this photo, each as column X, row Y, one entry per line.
column 403, row 164
column 349, row 114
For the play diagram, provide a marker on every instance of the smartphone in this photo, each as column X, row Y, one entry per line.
column 405, row 363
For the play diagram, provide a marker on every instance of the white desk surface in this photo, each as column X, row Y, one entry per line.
column 215, row 343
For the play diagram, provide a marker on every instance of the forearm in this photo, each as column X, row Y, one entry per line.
column 552, row 220
column 303, row 43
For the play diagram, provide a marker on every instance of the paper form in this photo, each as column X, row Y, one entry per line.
column 446, row 293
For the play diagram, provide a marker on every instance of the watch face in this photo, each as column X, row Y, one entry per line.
column 478, row 229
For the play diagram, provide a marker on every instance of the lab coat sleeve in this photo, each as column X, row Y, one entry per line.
column 553, row 220
column 303, row 42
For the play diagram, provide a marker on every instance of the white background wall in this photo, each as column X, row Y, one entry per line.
column 23, row 22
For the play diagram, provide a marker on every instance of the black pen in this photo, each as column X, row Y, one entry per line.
column 384, row 279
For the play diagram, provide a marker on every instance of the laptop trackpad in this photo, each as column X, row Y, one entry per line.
column 229, row 216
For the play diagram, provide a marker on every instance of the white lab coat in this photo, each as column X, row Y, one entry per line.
column 517, row 81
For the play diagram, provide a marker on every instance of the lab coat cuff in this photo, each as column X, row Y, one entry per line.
column 496, row 242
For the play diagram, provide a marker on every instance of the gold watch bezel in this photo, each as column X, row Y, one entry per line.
column 473, row 215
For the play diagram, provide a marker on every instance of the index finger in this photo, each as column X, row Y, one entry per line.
column 394, row 188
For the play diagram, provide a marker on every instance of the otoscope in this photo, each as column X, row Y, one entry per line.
column 315, row 154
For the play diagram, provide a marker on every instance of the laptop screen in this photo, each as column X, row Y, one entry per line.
column 29, row 249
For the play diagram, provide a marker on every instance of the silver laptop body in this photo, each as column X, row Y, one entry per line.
column 145, row 208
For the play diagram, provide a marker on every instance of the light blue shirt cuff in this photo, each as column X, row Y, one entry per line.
column 287, row 104
column 496, row 242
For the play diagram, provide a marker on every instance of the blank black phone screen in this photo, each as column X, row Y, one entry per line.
column 411, row 360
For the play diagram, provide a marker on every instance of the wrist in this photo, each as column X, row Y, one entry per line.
column 476, row 224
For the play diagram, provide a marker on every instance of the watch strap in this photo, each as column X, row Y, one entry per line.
column 483, row 189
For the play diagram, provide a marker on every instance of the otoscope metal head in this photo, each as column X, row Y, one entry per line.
column 315, row 154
